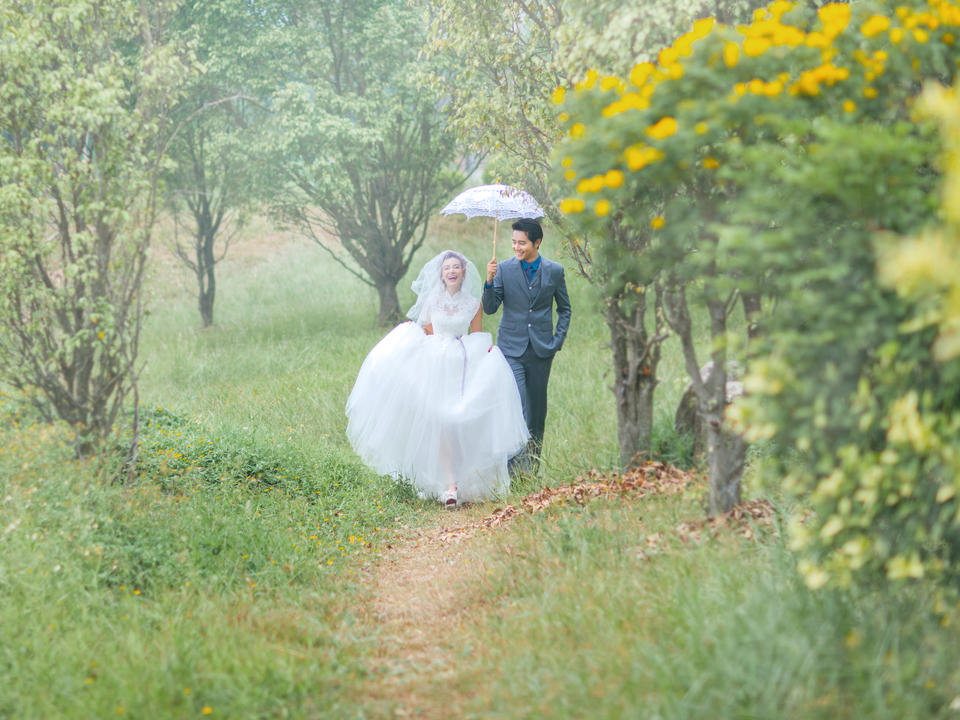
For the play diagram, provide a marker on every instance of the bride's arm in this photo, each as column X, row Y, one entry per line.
column 476, row 325
column 428, row 329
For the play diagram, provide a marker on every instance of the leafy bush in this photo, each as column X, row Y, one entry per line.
column 770, row 159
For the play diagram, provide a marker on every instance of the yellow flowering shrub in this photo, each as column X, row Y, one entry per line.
column 769, row 158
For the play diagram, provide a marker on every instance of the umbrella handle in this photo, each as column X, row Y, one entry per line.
column 496, row 227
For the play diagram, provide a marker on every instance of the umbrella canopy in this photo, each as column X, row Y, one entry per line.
column 501, row 202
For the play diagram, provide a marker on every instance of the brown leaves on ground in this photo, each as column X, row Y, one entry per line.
column 744, row 520
column 652, row 478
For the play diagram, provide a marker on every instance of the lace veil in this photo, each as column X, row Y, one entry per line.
column 429, row 283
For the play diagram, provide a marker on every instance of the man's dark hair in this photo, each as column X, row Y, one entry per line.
column 530, row 227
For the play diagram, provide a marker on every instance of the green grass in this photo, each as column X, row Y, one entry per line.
column 579, row 618
column 230, row 575
column 230, row 567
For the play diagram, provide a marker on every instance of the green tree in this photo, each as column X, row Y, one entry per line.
column 213, row 179
column 364, row 155
column 781, row 149
column 85, row 86
column 510, row 59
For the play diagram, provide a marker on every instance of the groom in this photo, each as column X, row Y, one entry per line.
column 528, row 285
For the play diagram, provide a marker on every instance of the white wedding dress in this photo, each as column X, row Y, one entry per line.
column 438, row 408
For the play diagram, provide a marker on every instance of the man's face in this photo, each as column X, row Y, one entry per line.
column 523, row 248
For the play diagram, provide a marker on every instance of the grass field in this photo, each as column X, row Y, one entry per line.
column 231, row 578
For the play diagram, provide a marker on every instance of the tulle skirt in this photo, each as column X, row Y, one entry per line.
column 436, row 410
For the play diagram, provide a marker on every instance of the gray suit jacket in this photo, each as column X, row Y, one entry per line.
column 528, row 307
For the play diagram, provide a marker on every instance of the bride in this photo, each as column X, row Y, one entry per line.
column 435, row 404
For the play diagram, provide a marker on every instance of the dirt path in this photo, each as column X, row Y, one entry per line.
column 421, row 587
column 416, row 605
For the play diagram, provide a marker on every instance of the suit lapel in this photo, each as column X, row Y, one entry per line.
column 521, row 279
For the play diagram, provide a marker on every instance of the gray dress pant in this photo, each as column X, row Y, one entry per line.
column 532, row 373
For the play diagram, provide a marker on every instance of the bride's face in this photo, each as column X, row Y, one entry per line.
column 452, row 273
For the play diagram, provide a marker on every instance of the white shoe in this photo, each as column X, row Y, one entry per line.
column 449, row 499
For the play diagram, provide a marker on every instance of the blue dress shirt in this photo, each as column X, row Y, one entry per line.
column 530, row 269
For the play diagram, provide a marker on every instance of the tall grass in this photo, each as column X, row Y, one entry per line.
column 578, row 617
column 228, row 578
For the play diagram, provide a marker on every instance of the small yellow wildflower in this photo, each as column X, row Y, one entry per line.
column 731, row 54
column 572, row 205
column 875, row 25
column 613, row 179
column 663, row 128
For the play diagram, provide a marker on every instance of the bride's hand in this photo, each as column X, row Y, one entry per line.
column 491, row 270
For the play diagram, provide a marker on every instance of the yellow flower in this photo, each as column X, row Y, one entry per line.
column 949, row 38
column 667, row 56
column 657, row 223
column 849, row 106
column 896, row 36
column 569, row 175
column 663, row 128
column 834, row 16
column 731, row 54
column 576, row 130
column 920, row 35
column 591, row 184
column 640, row 73
column 870, row 92
column 755, row 46
column 613, row 179
column 638, row 156
column 567, row 161
column 602, row 208
column 589, row 81
column 831, row 527
column 899, row 567
column 700, row 128
column 813, row 576
column 702, row 28
column 207, row 710
column 559, row 94
column 572, row 205
column 875, row 25
column 772, row 89
column 778, row 8
column 609, row 82
column 710, row 163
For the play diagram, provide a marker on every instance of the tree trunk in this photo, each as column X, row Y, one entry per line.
column 751, row 311
column 389, row 303
column 206, row 279
column 205, row 261
column 635, row 362
column 727, row 453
